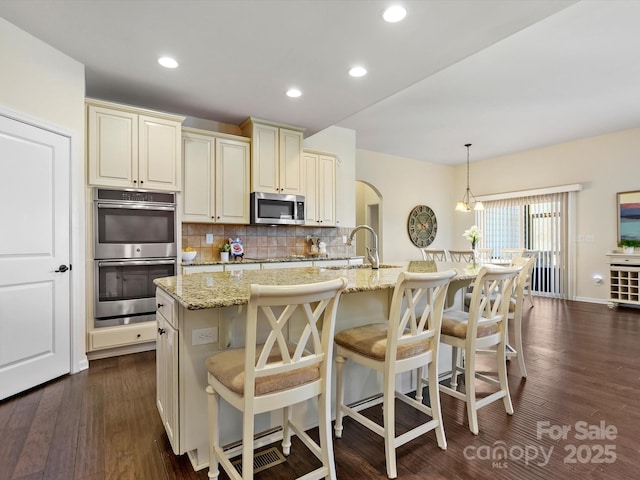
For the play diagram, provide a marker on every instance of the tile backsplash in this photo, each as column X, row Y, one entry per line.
column 262, row 242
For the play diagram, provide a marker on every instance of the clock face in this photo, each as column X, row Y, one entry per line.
column 422, row 226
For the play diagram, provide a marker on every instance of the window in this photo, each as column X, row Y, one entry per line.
column 537, row 223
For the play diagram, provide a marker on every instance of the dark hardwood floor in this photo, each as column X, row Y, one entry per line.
column 583, row 362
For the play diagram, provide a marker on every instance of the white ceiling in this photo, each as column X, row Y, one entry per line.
column 504, row 75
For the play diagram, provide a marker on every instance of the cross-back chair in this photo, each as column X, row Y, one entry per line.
column 433, row 254
column 483, row 326
column 408, row 341
column 278, row 373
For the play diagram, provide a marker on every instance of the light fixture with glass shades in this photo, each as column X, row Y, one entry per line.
column 468, row 201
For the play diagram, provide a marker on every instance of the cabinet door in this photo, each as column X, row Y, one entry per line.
column 189, row 269
column 275, row 265
column 326, row 190
column 112, row 147
column 232, row 181
column 292, row 167
column 265, row 151
column 167, row 380
column 311, row 196
column 198, row 177
column 159, row 153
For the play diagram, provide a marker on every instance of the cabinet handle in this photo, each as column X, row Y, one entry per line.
column 160, row 331
column 135, row 181
column 141, row 182
column 139, row 335
column 160, row 305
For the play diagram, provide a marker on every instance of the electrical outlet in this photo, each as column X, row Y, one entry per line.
column 204, row 336
column 209, row 238
column 344, row 239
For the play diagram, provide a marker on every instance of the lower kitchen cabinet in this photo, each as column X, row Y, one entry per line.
column 189, row 269
column 111, row 337
column 185, row 339
column 167, row 377
column 297, row 264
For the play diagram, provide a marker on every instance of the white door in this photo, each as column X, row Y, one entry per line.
column 34, row 243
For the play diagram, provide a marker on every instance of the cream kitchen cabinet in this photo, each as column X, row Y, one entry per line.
column 190, row 269
column 216, row 177
column 121, row 336
column 276, row 157
column 167, row 366
column 130, row 147
column 320, row 200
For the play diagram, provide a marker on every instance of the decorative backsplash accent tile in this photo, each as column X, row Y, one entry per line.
column 262, row 242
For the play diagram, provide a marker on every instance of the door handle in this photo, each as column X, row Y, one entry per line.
column 62, row 269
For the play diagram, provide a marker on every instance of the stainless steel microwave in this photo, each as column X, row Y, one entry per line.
column 277, row 209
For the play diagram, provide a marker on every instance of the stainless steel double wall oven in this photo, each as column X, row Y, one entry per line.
column 135, row 243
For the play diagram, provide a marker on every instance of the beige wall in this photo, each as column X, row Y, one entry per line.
column 40, row 84
column 404, row 183
column 604, row 165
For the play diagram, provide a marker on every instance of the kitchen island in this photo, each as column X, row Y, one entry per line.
column 202, row 313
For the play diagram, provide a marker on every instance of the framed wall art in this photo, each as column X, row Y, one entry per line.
column 629, row 216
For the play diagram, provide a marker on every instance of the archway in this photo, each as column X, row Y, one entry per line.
column 368, row 212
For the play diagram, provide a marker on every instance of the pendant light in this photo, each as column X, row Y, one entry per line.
column 468, row 200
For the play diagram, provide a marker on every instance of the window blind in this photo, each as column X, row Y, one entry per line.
column 537, row 223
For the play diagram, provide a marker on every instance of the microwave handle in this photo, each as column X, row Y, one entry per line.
column 127, row 263
column 136, row 207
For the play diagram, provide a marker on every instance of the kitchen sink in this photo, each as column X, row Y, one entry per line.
column 354, row 267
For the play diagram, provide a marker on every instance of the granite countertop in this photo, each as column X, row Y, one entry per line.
column 223, row 289
column 294, row 258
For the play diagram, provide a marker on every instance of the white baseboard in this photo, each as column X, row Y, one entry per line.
column 591, row 300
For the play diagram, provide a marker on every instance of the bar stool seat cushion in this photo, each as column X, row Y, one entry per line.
column 455, row 325
column 228, row 367
column 371, row 341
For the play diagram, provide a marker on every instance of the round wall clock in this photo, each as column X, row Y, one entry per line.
column 422, row 226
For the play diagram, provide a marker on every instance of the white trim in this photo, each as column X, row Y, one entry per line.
column 575, row 187
column 599, row 301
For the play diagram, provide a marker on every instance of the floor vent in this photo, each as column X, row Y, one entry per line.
column 263, row 460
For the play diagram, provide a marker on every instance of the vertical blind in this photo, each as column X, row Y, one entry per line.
column 537, row 223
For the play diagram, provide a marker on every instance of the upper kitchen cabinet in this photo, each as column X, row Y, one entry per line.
column 320, row 189
column 131, row 147
column 276, row 157
column 216, row 177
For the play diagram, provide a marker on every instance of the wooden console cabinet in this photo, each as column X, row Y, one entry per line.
column 624, row 279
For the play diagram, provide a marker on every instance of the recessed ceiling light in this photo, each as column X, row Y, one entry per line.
column 168, row 62
column 394, row 14
column 293, row 93
column 358, row 71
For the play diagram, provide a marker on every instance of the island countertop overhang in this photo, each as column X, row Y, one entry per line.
column 224, row 289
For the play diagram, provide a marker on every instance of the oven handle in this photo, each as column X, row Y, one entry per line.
column 127, row 263
column 136, row 207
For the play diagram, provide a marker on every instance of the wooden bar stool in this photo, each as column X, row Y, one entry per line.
column 432, row 254
column 408, row 341
column 483, row 326
column 278, row 373
column 515, row 310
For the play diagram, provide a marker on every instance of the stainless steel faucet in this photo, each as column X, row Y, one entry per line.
column 372, row 253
